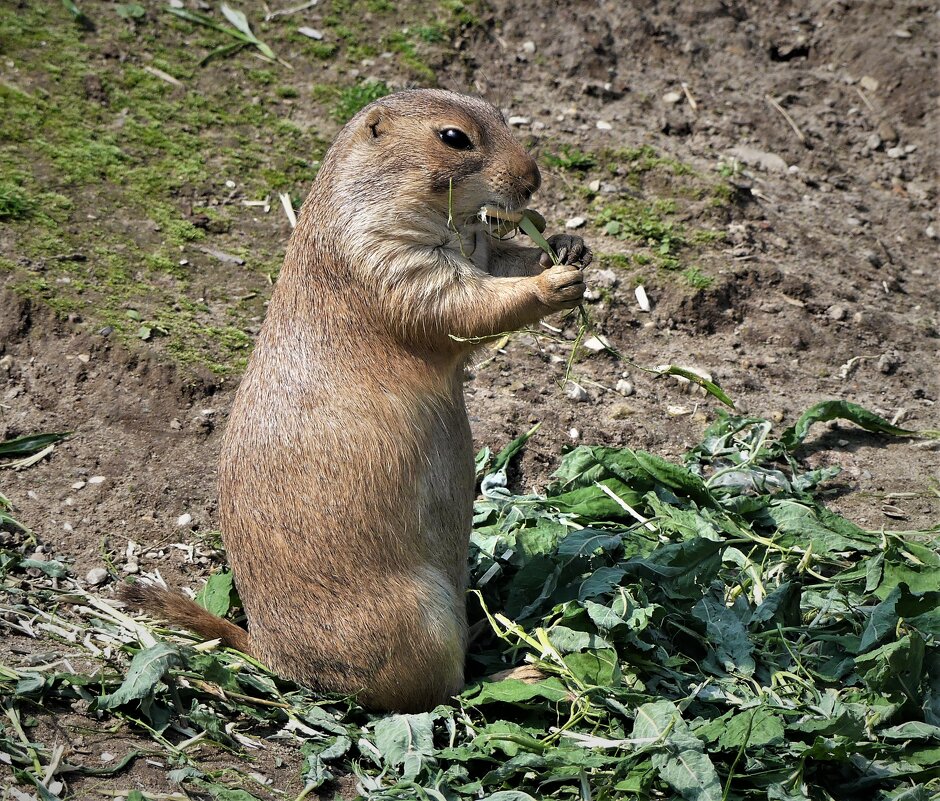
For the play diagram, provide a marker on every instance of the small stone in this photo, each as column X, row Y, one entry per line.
column 896, row 153
column 595, row 344
column 910, row 149
column 605, row 278
column 574, row 434
column 184, row 520
column 175, row 424
column 902, row 33
column 603, row 125
column 575, row 222
column 595, row 186
column 106, row 757
column 78, row 485
column 96, row 480
column 671, row 98
column 888, row 363
column 96, row 576
column 932, row 232
column 887, row 132
column 230, row 183
column 67, row 527
column 131, row 567
column 873, row 142
column 770, row 162
column 868, row 83
column 836, row 312
column 576, row 392
column 6, row 362
column 528, row 47
column 312, row 33
column 518, row 121
column 678, row 411
column 84, row 358
column 625, row 387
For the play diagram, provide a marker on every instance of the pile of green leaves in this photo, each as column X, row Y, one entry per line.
column 705, row 630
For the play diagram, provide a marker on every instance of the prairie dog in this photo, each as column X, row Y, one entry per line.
column 346, row 478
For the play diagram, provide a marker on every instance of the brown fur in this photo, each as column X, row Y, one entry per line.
column 346, row 479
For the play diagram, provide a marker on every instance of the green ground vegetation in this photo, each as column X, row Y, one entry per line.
column 703, row 629
column 669, row 214
column 126, row 153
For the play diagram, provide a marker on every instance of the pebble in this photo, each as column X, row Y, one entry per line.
column 595, row 344
column 836, row 312
column 595, row 186
column 575, row 222
column 78, row 485
column 184, row 520
column 528, row 47
column 106, row 756
column 888, row 363
column 671, row 98
column 932, row 232
column 761, row 159
column 96, row 480
column 67, row 527
column 96, row 576
column 605, row 278
column 313, row 33
column 868, row 83
column 873, row 142
column 131, row 567
column 574, row 434
column 175, row 424
column 625, row 387
column 6, row 362
column 887, row 132
column 896, row 152
column 902, row 33
column 603, row 125
column 518, row 121
column 84, row 358
column 576, row 392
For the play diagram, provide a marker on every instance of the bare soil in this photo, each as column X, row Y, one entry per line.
column 824, row 283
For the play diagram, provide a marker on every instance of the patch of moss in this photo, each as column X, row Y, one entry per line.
column 15, row 203
column 353, row 98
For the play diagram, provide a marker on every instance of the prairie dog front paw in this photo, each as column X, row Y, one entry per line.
column 560, row 287
column 570, row 250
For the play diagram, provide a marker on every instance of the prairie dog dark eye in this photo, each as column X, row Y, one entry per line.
column 455, row 138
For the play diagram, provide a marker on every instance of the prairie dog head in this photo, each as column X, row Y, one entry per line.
column 429, row 156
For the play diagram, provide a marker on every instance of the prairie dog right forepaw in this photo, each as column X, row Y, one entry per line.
column 561, row 286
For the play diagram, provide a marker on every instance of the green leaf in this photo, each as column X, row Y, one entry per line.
column 679, row 759
column 709, row 386
column 130, row 10
column 752, row 728
column 215, row 596
column 727, row 638
column 514, row 691
column 843, row 410
column 406, row 741
column 146, row 670
column 595, row 668
column 28, row 445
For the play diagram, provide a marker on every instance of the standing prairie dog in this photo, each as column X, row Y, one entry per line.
column 346, row 479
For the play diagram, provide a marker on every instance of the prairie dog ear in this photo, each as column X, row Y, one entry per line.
column 375, row 123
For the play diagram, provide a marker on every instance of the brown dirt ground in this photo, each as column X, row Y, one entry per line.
column 827, row 261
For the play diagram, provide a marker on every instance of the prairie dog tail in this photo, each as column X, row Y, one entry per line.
column 174, row 607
